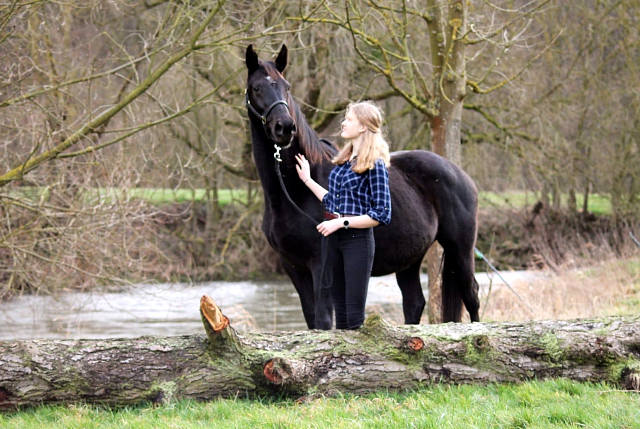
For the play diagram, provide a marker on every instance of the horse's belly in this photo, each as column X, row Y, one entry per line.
column 407, row 238
column 397, row 249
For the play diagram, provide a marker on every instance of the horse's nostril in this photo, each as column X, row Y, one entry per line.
column 279, row 128
column 293, row 129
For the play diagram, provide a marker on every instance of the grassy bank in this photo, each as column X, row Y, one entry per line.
column 156, row 196
column 605, row 288
column 598, row 204
column 548, row 404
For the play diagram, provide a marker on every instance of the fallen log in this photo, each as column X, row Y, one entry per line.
column 225, row 363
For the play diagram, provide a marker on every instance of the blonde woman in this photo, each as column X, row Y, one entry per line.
column 358, row 199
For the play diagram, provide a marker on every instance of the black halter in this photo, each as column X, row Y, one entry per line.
column 255, row 112
column 276, row 155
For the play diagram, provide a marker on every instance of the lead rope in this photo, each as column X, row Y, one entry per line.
column 326, row 276
column 484, row 258
column 278, row 159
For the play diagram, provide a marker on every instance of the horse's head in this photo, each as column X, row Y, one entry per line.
column 268, row 95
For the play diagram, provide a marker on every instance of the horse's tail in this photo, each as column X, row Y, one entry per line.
column 451, row 293
column 458, row 284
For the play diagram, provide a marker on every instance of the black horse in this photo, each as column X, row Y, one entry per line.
column 431, row 198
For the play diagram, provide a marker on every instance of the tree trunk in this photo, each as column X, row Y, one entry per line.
column 377, row 356
column 450, row 82
column 434, row 264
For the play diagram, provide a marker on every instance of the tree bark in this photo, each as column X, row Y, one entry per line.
column 434, row 265
column 447, row 55
column 377, row 356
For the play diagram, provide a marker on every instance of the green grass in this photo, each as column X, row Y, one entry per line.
column 549, row 404
column 161, row 196
column 153, row 195
column 598, row 204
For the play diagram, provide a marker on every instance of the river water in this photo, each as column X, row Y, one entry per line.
column 173, row 309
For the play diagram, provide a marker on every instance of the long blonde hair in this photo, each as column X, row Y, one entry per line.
column 374, row 146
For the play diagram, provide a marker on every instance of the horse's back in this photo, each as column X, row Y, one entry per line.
column 439, row 179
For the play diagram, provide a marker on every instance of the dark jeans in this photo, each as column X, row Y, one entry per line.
column 350, row 258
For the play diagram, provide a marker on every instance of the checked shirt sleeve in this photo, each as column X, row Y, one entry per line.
column 381, row 202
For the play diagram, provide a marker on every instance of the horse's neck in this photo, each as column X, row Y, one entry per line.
column 263, row 154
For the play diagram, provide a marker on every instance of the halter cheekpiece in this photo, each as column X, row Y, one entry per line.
column 276, row 155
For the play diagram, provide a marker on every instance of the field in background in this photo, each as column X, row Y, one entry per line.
column 598, row 204
column 153, row 195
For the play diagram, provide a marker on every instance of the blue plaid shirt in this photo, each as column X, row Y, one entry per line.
column 360, row 194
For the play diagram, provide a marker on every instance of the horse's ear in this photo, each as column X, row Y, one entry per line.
column 251, row 59
column 281, row 61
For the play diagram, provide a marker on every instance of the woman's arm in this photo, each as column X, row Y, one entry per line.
column 330, row 226
column 304, row 172
column 317, row 190
column 381, row 202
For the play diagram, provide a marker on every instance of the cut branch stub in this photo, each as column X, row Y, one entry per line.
column 275, row 371
column 291, row 376
column 222, row 337
column 415, row 344
column 213, row 314
column 630, row 377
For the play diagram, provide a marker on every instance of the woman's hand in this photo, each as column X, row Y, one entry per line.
column 330, row 226
column 303, row 169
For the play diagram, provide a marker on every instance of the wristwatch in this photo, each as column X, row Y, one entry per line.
column 346, row 224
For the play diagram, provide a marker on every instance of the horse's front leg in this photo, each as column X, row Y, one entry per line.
column 304, row 284
column 323, row 303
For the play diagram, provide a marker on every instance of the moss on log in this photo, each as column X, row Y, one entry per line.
column 224, row 363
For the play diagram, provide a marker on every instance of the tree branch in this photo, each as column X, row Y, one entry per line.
column 32, row 163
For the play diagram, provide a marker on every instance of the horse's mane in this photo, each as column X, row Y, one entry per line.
column 316, row 150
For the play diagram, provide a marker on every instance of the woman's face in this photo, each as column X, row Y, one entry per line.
column 351, row 127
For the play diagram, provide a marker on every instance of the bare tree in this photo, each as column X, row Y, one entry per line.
column 431, row 73
column 86, row 91
column 571, row 130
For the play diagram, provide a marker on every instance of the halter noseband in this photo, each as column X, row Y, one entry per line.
column 276, row 155
column 255, row 112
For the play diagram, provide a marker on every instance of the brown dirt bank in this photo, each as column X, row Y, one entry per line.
column 531, row 238
column 188, row 242
column 535, row 238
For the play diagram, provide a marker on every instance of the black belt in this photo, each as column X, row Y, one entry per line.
column 331, row 216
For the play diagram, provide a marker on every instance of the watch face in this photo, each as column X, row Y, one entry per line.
column 346, row 223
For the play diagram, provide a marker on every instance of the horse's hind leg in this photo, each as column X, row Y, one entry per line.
column 413, row 301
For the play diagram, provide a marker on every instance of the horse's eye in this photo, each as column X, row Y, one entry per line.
column 256, row 89
column 288, row 87
column 273, row 84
